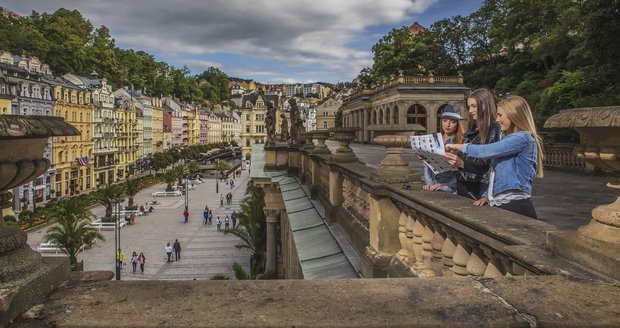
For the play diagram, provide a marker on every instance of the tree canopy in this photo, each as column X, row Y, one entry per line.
column 558, row 54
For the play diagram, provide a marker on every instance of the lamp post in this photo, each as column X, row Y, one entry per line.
column 217, row 175
column 117, row 240
column 186, row 185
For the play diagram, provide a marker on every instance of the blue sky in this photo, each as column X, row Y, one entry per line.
column 267, row 40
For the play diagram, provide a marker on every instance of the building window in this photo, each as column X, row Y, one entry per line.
column 324, row 125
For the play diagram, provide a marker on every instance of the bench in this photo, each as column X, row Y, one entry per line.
column 50, row 247
column 99, row 225
column 166, row 193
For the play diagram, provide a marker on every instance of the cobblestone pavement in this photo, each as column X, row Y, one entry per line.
column 563, row 199
column 205, row 252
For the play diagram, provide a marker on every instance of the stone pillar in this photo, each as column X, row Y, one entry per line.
column 272, row 219
column 394, row 168
column 344, row 153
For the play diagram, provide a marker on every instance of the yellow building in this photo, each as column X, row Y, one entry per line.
column 326, row 114
column 193, row 120
column 253, row 112
column 215, row 128
column 126, row 138
column 5, row 95
column 72, row 156
column 158, row 125
column 249, row 86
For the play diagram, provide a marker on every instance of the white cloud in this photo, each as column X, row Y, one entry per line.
column 302, row 32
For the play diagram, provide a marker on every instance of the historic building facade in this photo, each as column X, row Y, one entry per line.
column 215, row 128
column 253, row 112
column 103, row 129
column 158, row 125
column 325, row 114
column 204, row 126
column 404, row 104
column 127, row 135
column 73, row 156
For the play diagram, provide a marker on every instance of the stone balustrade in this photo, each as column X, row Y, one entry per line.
column 410, row 232
column 562, row 155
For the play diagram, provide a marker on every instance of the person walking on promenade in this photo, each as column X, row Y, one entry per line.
column 227, row 184
column 226, row 223
column 205, row 214
column 221, row 199
column 186, row 215
column 120, row 257
column 134, row 262
column 233, row 217
column 141, row 261
column 177, row 250
column 168, row 250
column 218, row 223
column 210, row 217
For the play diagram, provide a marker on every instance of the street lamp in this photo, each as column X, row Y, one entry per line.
column 186, row 184
column 117, row 239
column 217, row 173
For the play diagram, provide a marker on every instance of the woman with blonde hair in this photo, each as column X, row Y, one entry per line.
column 515, row 160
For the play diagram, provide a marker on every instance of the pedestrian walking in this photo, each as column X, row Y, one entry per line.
column 226, row 223
column 232, row 183
column 233, row 217
column 134, row 262
column 218, row 223
column 186, row 215
column 210, row 217
column 177, row 250
column 221, row 199
column 168, row 250
column 141, row 261
column 227, row 184
column 205, row 214
column 120, row 257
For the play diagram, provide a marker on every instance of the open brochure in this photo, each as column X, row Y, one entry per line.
column 431, row 147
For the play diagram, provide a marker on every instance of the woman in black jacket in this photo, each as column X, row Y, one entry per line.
column 473, row 180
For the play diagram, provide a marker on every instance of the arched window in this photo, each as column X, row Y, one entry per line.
column 416, row 114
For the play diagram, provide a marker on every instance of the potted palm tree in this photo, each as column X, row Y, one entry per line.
column 132, row 186
column 72, row 232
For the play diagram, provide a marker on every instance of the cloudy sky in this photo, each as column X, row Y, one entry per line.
column 264, row 40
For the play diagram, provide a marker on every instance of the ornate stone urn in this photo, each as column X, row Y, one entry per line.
column 308, row 136
column 394, row 168
column 597, row 244
column 23, row 276
column 321, row 147
column 344, row 135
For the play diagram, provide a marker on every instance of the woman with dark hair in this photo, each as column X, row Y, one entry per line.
column 473, row 180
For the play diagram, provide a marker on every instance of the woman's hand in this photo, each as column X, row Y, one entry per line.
column 433, row 187
column 455, row 160
column 454, row 148
column 482, row 201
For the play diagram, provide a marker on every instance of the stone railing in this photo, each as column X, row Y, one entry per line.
column 562, row 155
column 411, row 232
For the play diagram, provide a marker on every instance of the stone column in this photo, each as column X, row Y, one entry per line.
column 344, row 153
column 394, row 168
column 272, row 219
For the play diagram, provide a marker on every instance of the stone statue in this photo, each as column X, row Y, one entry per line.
column 270, row 124
column 296, row 122
column 284, row 136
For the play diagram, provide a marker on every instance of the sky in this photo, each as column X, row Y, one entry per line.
column 271, row 41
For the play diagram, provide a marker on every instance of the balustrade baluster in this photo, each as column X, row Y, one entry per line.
column 476, row 265
column 411, row 260
column 418, row 230
column 427, row 249
column 437, row 244
column 447, row 250
column 494, row 267
column 402, row 237
column 461, row 256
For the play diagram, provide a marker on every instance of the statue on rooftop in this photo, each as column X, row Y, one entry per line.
column 296, row 122
column 284, row 136
column 270, row 123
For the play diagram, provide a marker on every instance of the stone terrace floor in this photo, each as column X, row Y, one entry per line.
column 563, row 199
column 205, row 252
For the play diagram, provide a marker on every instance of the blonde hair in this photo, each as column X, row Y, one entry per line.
column 487, row 112
column 519, row 113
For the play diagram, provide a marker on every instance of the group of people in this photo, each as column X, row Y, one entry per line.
column 230, row 183
column 176, row 248
column 498, row 156
column 208, row 219
column 135, row 260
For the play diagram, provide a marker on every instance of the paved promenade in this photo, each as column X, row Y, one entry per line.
column 563, row 199
column 205, row 252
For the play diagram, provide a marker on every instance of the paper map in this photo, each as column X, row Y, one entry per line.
column 431, row 147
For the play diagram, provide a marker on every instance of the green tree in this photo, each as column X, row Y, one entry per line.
column 169, row 177
column 193, row 169
column 72, row 231
column 338, row 118
column 132, row 187
column 221, row 167
column 108, row 197
column 252, row 227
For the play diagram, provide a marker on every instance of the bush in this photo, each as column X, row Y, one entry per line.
column 10, row 220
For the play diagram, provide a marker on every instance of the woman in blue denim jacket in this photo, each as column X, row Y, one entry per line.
column 451, row 132
column 515, row 160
